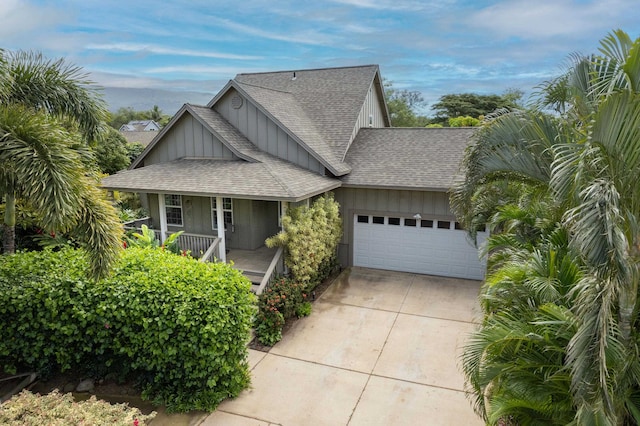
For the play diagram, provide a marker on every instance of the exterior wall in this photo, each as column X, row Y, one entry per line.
column 264, row 133
column 371, row 114
column 187, row 138
column 385, row 202
column 253, row 220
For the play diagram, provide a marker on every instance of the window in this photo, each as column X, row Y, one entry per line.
column 173, row 208
column 227, row 212
column 363, row 219
column 394, row 221
column 444, row 224
column 378, row 219
column 409, row 222
column 458, row 226
column 426, row 223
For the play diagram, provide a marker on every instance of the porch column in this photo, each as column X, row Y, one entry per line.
column 163, row 218
column 284, row 206
column 220, row 223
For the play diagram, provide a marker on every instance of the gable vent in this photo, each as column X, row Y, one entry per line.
column 236, row 102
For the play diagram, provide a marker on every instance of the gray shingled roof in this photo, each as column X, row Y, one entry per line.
column 272, row 179
column 285, row 109
column 407, row 158
column 329, row 101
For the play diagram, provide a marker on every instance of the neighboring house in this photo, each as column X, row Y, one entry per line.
column 140, row 126
column 270, row 141
column 143, row 138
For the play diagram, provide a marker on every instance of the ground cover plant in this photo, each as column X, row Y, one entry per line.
column 176, row 326
column 55, row 409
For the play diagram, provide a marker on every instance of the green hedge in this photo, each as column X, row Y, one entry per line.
column 177, row 326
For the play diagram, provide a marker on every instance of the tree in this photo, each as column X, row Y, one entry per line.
column 587, row 159
column 48, row 115
column 472, row 105
column 125, row 115
column 112, row 152
column 402, row 105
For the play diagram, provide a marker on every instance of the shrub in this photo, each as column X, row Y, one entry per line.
column 177, row 326
column 280, row 301
column 57, row 409
column 311, row 237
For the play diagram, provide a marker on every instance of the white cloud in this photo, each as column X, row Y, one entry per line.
column 21, row 19
column 406, row 5
column 547, row 19
column 160, row 50
column 310, row 37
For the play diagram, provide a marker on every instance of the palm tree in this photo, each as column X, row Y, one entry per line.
column 588, row 159
column 48, row 114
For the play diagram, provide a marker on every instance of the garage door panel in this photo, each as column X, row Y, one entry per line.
column 417, row 249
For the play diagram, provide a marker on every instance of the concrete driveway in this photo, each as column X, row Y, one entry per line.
column 380, row 348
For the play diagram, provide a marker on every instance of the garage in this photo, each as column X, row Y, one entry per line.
column 419, row 245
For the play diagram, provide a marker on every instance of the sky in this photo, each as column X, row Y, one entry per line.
column 433, row 47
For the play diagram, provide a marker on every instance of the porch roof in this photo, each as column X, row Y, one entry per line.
column 270, row 180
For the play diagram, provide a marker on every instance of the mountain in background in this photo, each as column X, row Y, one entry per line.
column 169, row 101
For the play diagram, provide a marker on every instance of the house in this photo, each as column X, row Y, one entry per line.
column 140, row 126
column 270, row 141
column 144, row 137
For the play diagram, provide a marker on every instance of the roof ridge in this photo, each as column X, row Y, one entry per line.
column 268, row 168
column 262, row 87
column 308, row 69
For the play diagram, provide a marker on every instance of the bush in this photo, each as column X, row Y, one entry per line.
column 177, row 326
column 311, row 237
column 57, row 409
column 282, row 300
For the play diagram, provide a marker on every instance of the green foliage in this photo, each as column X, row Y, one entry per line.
column 285, row 298
column 177, row 326
column 147, row 239
column 402, row 105
column 125, row 115
column 311, row 237
column 134, row 149
column 111, row 152
column 49, row 113
column 470, row 104
column 464, row 121
column 561, row 194
column 55, row 409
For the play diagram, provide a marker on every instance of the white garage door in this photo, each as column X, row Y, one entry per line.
column 425, row 246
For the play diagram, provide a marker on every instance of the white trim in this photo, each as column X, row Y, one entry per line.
column 220, row 220
column 230, row 210
column 174, row 206
column 163, row 218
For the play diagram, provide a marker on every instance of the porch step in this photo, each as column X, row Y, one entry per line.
column 255, row 277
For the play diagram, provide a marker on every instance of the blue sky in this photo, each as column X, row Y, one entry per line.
column 434, row 47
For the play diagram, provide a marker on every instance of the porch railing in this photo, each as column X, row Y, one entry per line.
column 275, row 267
column 213, row 252
column 137, row 224
column 199, row 245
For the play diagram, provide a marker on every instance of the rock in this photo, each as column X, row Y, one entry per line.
column 86, row 385
column 69, row 387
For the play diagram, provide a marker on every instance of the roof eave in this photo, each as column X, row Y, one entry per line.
column 397, row 187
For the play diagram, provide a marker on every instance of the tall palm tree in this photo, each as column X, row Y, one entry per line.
column 48, row 114
column 588, row 159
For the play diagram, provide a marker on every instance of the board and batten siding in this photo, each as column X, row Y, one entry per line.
column 187, row 138
column 371, row 114
column 385, row 202
column 264, row 133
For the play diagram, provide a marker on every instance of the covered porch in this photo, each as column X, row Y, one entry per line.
column 259, row 265
column 225, row 208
